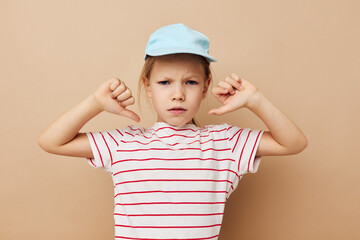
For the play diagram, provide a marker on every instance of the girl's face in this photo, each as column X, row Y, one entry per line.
column 176, row 87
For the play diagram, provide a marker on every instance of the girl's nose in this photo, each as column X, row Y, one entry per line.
column 178, row 94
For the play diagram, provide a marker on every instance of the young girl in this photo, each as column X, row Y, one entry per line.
column 172, row 180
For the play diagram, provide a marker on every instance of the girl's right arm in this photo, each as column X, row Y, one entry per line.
column 62, row 136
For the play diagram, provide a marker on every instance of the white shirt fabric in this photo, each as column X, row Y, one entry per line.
column 173, row 182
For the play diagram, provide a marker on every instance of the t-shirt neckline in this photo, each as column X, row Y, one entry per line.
column 158, row 125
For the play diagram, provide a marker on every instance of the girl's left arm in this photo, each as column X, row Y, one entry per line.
column 284, row 136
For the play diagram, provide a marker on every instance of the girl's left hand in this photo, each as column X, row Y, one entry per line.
column 233, row 93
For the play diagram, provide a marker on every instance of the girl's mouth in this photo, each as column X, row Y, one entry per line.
column 177, row 110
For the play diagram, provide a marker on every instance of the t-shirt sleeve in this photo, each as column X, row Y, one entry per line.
column 244, row 143
column 103, row 145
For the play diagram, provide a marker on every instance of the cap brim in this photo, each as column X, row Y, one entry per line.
column 161, row 52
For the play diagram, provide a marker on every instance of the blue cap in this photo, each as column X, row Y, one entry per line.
column 178, row 38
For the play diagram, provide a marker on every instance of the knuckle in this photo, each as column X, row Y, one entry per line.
column 113, row 95
column 122, row 83
column 127, row 92
column 114, row 80
column 128, row 102
column 131, row 100
column 122, row 88
column 235, row 76
column 114, row 83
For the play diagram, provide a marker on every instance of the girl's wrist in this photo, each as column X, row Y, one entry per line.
column 94, row 104
column 255, row 101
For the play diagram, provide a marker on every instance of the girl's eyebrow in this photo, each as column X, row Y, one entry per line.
column 186, row 77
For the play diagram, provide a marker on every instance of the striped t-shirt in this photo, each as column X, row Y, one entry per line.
column 173, row 182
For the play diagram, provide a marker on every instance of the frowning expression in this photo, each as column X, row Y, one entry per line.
column 177, row 85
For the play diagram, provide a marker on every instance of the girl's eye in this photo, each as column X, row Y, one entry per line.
column 191, row 82
column 164, row 82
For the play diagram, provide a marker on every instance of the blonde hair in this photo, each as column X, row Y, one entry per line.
column 149, row 63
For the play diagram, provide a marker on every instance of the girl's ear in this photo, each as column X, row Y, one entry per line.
column 206, row 86
column 146, row 82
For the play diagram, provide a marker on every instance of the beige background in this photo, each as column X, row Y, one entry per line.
column 303, row 55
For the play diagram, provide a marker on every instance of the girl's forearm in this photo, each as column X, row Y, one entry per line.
column 66, row 127
column 283, row 130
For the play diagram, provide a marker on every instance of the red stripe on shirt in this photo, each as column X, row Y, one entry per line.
column 117, row 144
column 233, row 183
column 136, row 129
column 235, row 134
column 97, row 149
column 206, row 226
column 157, row 140
column 161, row 191
column 178, row 135
column 168, row 215
column 237, row 140
column 229, row 128
column 243, row 150
column 205, row 129
column 173, row 180
column 161, row 203
column 177, row 159
column 172, row 135
column 111, row 158
column 253, row 150
column 92, row 162
column 119, row 132
column 177, row 169
column 207, row 238
column 177, row 130
column 169, row 149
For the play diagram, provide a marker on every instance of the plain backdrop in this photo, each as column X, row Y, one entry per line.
column 303, row 55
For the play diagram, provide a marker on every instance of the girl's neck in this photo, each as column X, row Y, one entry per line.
column 162, row 123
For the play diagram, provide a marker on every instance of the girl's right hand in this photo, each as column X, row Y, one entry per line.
column 114, row 96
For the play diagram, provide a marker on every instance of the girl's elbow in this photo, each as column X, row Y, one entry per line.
column 44, row 144
column 302, row 144
column 305, row 143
